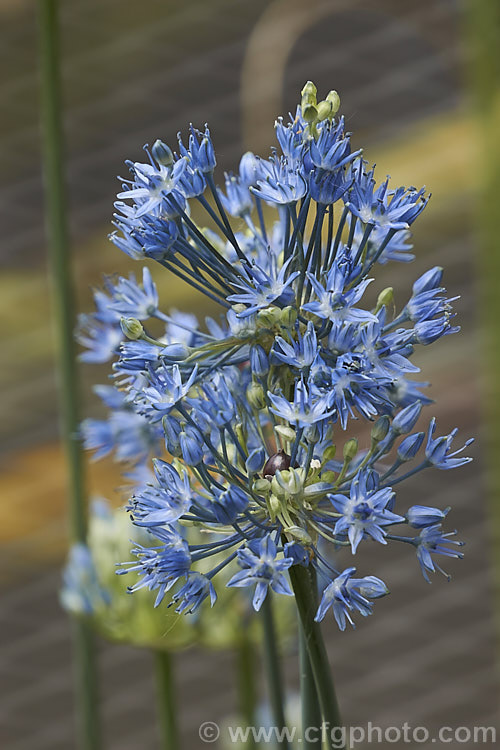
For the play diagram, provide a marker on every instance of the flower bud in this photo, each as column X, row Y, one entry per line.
column 262, row 486
column 286, row 432
column 259, row 361
column 350, row 449
column 329, row 453
column 132, row 328
column 410, row 446
column 385, row 298
column 162, row 153
column 420, row 516
column 289, row 481
column 256, row 396
column 380, row 428
column 334, row 100
column 328, row 476
column 429, row 280
column 192, row 452
column 269, row 316
column 288, row 316
column 309, row 112
column 274, row 507
column 324, row 110
column 309, row 93
column 407, row 418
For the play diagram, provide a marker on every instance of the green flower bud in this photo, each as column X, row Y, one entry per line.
column 309, row 93
column 289, row 481
column 385, row 298
column 262, row 486
column 269, row 317
column 274, row 507
column 328, row 476
column 309, row 113
column 286, row 432
column 256, row 396
column 132, row 328
column 380, row 428
column 329, row 453
column 239, row 308
column 288, row 317
column 324, row 110
column 334, row 100
column 350, row 449
column 277, row 489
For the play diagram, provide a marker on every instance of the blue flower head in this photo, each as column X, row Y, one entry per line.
column 248, row 415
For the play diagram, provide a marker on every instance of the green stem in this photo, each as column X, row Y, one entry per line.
column 247, row 689
column 273, row 669
column 304, row 587
column 63, row 295
column 482, row 30
column 165, row 692
column 311, row 710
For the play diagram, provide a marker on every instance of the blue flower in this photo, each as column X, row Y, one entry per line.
column 165, row 501
column 396, row 209
column 364, row 512
column 159, row 567
column 305, row 409
column 228, row 504
column 437, row 450
column 263, row 288
column 262, row 569
column 301, row 353
column 200, row 152
column 100, row 339
column 280, row 182
column 332, row 149
column 165, row 390
column 336, row 303
column 131, row 300
column 150, row 186
column 346, row 594
column 432, row 541
column 237, row 201
column 194, row 592
column 81, row 592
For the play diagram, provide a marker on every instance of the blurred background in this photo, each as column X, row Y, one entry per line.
column 136, row 72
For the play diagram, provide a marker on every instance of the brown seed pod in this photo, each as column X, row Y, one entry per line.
column 277, row 462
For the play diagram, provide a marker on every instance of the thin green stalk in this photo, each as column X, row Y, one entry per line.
column 311, row 710
column 482, row 33
column 304, row 587
column 166, row 702
column 273, row 668
column 62, row 294
column 247, row 689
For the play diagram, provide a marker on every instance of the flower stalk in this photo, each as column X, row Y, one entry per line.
column 304, row 587
column 166, row 700
column 273, row 670
column 62, row 300
column 247, row 689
